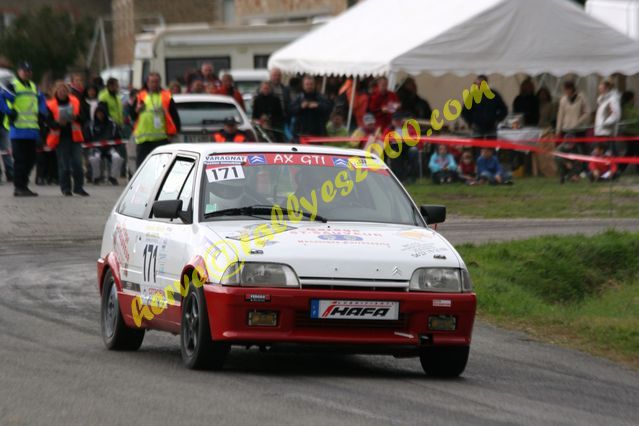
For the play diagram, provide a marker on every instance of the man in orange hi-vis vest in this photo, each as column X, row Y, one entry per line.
column 65, row 136
column 230, row 133
column 156, row 117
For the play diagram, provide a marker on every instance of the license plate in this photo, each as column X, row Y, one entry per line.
column 354, row 309
column 194, row 138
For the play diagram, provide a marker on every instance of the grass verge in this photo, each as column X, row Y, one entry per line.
column 578, row 291
column 549, row 198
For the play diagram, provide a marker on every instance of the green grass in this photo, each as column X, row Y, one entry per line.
column 577, row 291
column 533, row 198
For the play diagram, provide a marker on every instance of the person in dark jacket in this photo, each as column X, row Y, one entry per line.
column 527, row 103
column 311, row 110
column 102, row 128
column 412, row 104
column 267, row 109
column 484, row 116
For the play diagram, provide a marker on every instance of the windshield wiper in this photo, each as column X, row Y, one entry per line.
column 256, row 210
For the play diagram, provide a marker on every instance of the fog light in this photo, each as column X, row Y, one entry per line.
column 442, row 323
column 262, row 318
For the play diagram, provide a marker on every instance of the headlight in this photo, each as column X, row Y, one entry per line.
column 253, row 274
column 445, row 280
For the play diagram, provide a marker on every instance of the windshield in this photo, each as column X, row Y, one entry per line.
column 203, row 113
column 312, row 186
column 247, row 86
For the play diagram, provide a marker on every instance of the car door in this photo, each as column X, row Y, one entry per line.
column 133, row 212
column 166, row 242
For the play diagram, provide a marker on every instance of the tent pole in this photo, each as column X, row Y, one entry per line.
column 324, row 85
column 350, row 106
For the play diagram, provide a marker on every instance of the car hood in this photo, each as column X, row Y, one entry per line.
column 334, row 251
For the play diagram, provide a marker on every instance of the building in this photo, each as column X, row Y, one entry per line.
column 130, row 17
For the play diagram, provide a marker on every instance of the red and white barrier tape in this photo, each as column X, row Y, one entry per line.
column 501, row 144
column 97, row 144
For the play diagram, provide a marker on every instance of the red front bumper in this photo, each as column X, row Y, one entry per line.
column 228, row 312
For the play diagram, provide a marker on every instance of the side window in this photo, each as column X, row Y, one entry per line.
column 187, row 191
column 137, row 196
column 179, row 182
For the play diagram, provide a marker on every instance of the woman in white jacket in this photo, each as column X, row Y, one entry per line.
column 608, row 111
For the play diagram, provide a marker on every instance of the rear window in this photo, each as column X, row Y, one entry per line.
column 206, row 113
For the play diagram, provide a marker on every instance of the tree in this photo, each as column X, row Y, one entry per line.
column 49, row 40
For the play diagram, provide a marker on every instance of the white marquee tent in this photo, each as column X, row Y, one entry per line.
column 384, row 37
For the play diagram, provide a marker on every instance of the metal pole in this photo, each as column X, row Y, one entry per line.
column 324, row 85
column 350, row 106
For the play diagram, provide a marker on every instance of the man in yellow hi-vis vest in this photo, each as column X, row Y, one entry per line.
column 157, row 118
column 23, row 104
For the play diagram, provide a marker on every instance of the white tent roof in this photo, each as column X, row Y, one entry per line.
column 463, row 37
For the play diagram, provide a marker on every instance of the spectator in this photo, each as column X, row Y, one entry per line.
column 547, row 109
column 157, row 118
column 483, row 117
column 110, row 95
column 599, row 171
column 383, row 103
column 310, row 110
column 360, row 104
column 411, row 103
column 65, row 136
column 103, row 128
column 608, row 113
column 630, row 118
column 406, row 165
column 568, row 169
column 208, row 77
column 368, row 134
column 230, row 132
column 5, row 152
column 76, row 85
column 280, row 91
column 335, row 126
column 23, row 105
column 573, row 113
column 128, row 111
column 228, row 89
column 527, row 103
column 197, row 87
column 175, row 88
column 466, row 169
column 268, row 108
column 489, row 170
column 443, row 168
column 88, row 102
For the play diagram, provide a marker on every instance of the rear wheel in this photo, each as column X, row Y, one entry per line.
column 444, row 361
column 116, row 335
column 199, row 351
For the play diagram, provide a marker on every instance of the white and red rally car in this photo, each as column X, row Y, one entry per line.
column 253, row 244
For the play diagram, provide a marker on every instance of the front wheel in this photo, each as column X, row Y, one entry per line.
column 199, row 351
column 444, row 361
column 116, row 335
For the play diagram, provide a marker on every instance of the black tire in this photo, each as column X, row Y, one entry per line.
column 444, row 361
column 199, row 351
column 115, row 334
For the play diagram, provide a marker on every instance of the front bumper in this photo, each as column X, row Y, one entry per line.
column 228, row 310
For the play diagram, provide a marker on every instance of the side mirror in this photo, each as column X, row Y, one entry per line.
column 167, row 209
column 433, row 214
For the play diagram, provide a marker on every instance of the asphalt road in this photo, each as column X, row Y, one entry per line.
column 54, row 369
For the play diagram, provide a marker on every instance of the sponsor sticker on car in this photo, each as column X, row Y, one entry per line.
column 354, row 309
